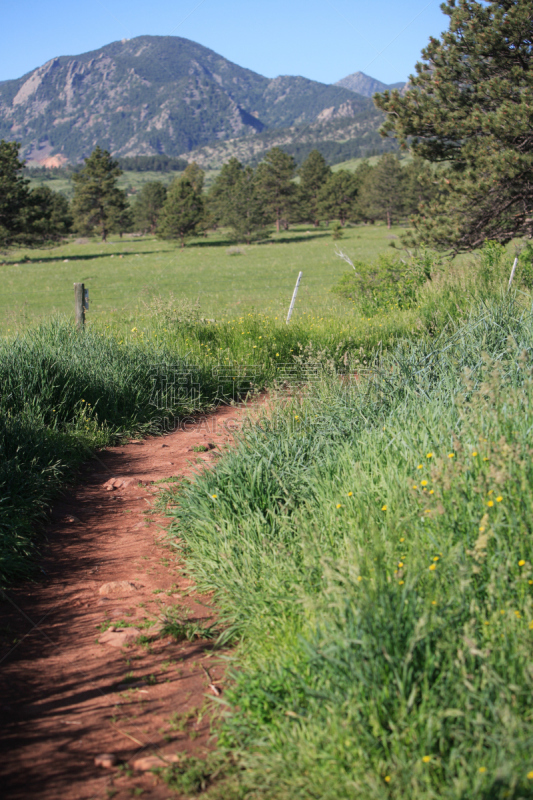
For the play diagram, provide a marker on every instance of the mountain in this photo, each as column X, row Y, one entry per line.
column 365, row 85
column 338, row 140
column 159, row 94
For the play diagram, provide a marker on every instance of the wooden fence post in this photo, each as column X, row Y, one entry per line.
column 79, row 304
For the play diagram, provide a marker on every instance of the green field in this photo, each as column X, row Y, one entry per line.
column 130, row 181
column 124, row 273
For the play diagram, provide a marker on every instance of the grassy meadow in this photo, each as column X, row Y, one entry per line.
column 130, row 181
column 123, row 273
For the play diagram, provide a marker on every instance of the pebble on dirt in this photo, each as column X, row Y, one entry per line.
column 117, row 588
column 106, row 760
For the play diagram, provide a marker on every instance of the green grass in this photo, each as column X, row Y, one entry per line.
column 352, row 164
column 67, row 392
column 131, row 182
column 123, row 273
column 370, row 546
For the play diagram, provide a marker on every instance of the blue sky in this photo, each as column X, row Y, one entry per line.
column 320, row 40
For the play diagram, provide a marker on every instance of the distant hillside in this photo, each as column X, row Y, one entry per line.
column 338, row 140
column 365, row 85
column 159, row 95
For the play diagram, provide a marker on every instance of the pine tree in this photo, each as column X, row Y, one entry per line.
column 236, row 202
column 419, row 185
column 246, row 214
column 182, row 213
column 382, row 193
column 195, row 175
column 470, row 105
column 337, row 197
column 223, row 189
column 47, row 215
column 275, row 184
column 98, row 202
column 148, row 204
column 14, row 193
column 313, row 173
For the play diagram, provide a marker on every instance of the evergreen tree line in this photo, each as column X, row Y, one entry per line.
column 245, row 200
column 248, row 201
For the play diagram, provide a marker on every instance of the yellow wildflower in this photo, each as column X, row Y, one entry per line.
column 426, row 759
column 521, row 562
column 433, row 567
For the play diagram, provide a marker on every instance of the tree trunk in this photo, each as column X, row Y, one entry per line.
column 277, row 224
column 388, row 219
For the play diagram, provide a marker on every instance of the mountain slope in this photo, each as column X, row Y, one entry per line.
column 338, row 140
column 156, row 94
column 365, row 85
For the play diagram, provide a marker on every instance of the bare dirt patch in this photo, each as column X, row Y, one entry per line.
column 91, row 690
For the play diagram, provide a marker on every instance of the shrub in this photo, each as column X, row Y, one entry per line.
column 388, row 282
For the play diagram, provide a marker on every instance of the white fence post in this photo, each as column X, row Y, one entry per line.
column 294, row 297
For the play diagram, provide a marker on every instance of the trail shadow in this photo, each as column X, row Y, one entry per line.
column 296, row 239
column 207, row 243
column 89, row 257
column 283, row 240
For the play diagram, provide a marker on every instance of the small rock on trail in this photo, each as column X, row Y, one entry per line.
column 118, row 588
column 119, row 637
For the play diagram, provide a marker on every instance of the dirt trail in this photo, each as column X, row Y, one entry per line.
column 65, row 698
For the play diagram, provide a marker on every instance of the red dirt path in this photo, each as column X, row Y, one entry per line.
column 63, row 697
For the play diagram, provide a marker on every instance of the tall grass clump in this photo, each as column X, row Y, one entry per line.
column 369, row 543
column 66, row 392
